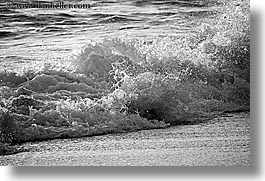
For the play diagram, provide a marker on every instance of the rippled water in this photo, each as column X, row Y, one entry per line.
column 38, row 34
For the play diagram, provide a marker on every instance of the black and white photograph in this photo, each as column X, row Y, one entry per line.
column 125, row 83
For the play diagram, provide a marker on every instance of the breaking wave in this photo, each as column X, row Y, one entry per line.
column 128, row 84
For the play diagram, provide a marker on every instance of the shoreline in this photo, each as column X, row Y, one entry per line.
column 229, row 136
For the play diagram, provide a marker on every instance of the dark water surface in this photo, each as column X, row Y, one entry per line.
column 37, row 34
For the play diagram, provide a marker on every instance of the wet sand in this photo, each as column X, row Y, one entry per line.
column 223, row 141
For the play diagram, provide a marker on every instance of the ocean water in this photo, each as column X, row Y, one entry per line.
column 28, row 35
column 119, row 64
